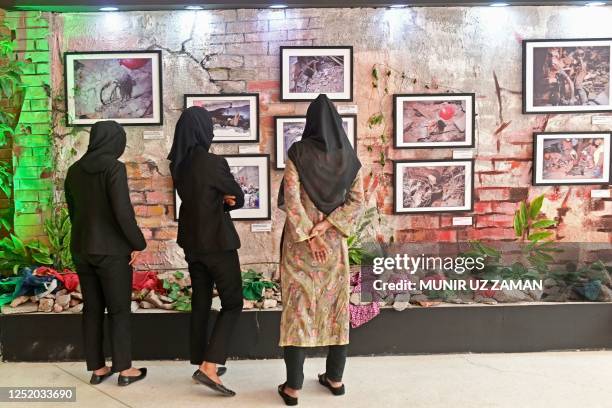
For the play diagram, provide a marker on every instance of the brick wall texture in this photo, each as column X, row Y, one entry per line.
column 32, row 144
column 438, row 49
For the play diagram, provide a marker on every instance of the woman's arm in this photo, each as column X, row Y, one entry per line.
column 345, row 216
column 296, row 213
column 119, row 195
column 227, row 185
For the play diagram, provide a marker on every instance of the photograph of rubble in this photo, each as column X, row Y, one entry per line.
column 571, row 158
column 307, row 72
column 569, row 76
column 433, row 186
column 434, row 120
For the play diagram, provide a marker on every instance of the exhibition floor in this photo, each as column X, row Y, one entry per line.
column 551, row 379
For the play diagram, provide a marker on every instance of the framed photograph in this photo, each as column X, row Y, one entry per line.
column 567, row 76
column 289, row 129
column 307, row 72
column 571, row 158
column 434, row 120
column 432, row 186
column 122, row 86
column 252, row 172
column 235, row 116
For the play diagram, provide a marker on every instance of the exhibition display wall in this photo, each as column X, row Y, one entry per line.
column 457, row 114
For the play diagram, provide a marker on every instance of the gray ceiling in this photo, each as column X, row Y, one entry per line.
column 94, row 5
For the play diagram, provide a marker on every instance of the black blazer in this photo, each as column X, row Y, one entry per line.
column 204, row 222
column 103, row 220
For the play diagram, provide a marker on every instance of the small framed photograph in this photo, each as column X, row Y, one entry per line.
column 571, row 158
column 289, row 129
column 122, row 86
column 567, row 76
column 307, row 72
column 235, row 116
column 434, row 120
column 433, row 186
column 252, row 172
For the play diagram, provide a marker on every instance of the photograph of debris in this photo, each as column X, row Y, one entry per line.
column 235, row 116
column 252, row 172
column 125, row 87
column 572, row 158
column 567, row 76
column 307, row 72
column 433, row 186
column 289, row 129
column 434, row 120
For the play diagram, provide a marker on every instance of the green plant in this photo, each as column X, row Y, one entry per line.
column 58, row 229
column 530, row 226
column 357, row 254
column 254, row 285
column 15, row 254
column 10, row 90
column 180, row 295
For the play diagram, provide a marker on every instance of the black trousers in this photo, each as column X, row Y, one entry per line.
column 106, row 282
column 294, row 362
column 220, row 269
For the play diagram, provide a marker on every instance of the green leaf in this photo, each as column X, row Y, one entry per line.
column 518, row 228
column 543, row 223
column 42, row 259
column 536, row 206
column 18, row 246
column 537, row 236
column 523, row 214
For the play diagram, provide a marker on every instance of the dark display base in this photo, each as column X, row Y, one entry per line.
column 452, row 329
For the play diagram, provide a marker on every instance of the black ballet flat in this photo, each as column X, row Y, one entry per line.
column 201, row 378
column 221, row 371
column 334, row 390
column 97, row 379
column 125, row 380
column 289, row 400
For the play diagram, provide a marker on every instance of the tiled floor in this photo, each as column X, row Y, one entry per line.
column 560, row 379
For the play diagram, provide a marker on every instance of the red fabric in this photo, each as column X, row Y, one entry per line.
column 145, row 280
column 69, row 279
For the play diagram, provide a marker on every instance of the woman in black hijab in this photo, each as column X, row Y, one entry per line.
column 323, row 196
column 208, row 191
column 104, row 234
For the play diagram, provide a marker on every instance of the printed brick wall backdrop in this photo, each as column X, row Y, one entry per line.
column 439, row 49
column 31, row 147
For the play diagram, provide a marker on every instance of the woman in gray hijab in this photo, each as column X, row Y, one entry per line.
column 104, row 236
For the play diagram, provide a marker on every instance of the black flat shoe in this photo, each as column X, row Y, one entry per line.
column 97, row 379
column 334, row 390
column 201, row 378
column 125, row 380
column 221, row 371
column 289, row 400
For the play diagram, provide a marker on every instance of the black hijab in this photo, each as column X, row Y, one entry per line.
column 194, row 128
column 106, row 144
column 326, row 162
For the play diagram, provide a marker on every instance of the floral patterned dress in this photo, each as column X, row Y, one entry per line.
column 315, row 296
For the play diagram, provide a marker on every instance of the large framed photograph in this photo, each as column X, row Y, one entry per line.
column 122, row 86
column 307, row 72
column 235, row 116
column 434, row 120
column 289, row 129
column 571, row 158
column 567, row 76
column 252, row 172
column 431, row 186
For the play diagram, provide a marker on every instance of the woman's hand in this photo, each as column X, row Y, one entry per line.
column 229, row 200
column 134, row 257
column 321, row 228
column 319, row 249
